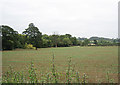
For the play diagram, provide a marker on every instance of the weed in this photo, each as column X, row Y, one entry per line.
column 54, row 73
column 32, row 74
column 72, row 76
column 77, row 77
column 68, row 71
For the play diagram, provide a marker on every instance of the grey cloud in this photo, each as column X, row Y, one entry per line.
column 84, row 18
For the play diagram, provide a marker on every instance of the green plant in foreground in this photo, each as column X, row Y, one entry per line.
column 42, row 78
column 48, row 78
column 54, row 73
column 13, row 77
column 8, row 76
column 68, row 76
column 77, row 77
column 32, row 74
column 84, row 78
column 72, row 76
column 109, row 80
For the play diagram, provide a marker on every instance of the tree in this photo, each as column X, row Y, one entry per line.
column 86, row 42
column 79, row 43
column 74, row 41
column 55, row 39
column 46, row 41
column 95, row 42
column 9, row 38
column 21, row 41
column 68, row 35
column 34, row 36
column 66, row 42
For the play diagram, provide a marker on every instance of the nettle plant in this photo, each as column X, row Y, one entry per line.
column 71, row 75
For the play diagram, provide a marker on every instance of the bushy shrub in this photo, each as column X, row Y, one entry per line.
column 29, row 46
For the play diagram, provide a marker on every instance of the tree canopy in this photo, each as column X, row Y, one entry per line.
column 9, row 37
column 33, row 35
column 33, row 38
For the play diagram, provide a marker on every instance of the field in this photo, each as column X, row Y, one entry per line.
column 95, row 62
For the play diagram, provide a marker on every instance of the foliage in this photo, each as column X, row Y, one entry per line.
column 55, row 40
column 68, row 75
column 12, row 39
column 86, row 42
column 95, row 42
column 52, row 77
column 67, row 42
column 32, row 74
column 46, row 41
column 34, row 36
column 54, row 72
column 9, row 38
column 29, row 46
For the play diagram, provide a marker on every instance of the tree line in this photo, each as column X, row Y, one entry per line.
column 33, row 38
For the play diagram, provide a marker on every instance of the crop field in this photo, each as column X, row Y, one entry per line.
column 96, row 62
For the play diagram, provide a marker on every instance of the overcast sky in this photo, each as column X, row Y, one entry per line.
column 80, row 18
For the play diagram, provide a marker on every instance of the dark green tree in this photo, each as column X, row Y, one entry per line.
column 79, row 43
column 86, row 42
column 67, row 42
column 55, row 39
column 21, row 41
column 46, row 41
column 74, row 41
column 95, row 42
column 68, row 36
column 9, row 38
column 34, row 36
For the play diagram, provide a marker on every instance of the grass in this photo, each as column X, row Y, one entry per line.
column 88, row 62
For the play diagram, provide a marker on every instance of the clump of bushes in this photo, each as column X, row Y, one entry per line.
column 29, row 46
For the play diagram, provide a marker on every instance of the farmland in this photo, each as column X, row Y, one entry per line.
column 94, row 61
